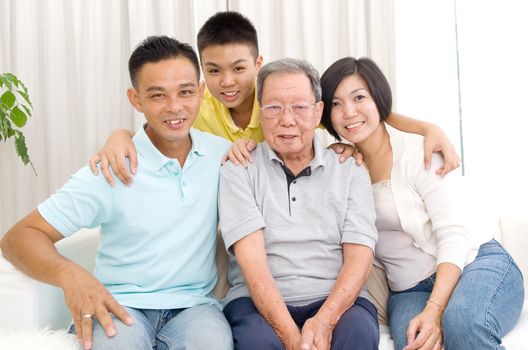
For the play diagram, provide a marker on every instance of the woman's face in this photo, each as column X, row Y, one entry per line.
column 354, row 113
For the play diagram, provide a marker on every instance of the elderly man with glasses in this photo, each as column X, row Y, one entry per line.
column 299, row 228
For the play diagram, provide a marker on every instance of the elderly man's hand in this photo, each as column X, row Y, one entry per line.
column 85, row 297
column 316, row 334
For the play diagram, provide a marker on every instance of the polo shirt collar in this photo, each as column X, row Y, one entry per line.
column 316, row 162
column 153, row 156
column 226, row 115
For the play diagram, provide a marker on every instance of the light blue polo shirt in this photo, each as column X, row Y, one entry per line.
column 158, row 236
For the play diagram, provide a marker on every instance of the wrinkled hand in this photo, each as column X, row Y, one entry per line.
column 113, row 155
column 436, row 141
column 425, row 331
column 85, row 295
column 316, row 334
column 346, row 151
column 240, row 152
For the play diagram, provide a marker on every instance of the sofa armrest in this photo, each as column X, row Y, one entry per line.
column 27, row 303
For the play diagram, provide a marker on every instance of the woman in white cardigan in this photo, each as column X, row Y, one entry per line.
column 448, row 288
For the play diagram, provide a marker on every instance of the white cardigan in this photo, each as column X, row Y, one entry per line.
column 431, row 208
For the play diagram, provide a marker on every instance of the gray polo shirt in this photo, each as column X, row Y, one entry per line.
column 305, row 219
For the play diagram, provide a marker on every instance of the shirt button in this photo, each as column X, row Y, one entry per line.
column 170, row 163
column 295, row 181
column 183, row 183
column 294, row 199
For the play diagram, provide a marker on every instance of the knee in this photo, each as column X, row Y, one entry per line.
column 459, row 318
column 458, row 322
column 216, row 335
column 255, row 335
column 126, row 337
column 357, row 329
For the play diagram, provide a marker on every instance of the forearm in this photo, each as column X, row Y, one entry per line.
column 409, row 125
column 269, row 303
column 252, row 259
column 34, row 253
column 352, row 277
column 122, row 133
column 447, row 276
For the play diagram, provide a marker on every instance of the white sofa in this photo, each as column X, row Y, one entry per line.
column 27, row 305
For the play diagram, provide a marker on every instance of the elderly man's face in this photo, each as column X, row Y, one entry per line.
column 289, row 131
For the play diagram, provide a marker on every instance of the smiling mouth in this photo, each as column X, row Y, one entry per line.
column 230, row 94
column 354, row 125
column 287, row 137
column 174, row 122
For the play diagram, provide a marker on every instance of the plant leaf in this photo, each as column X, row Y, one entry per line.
column 25, row 96
column 18, row 117
column 8, row 98
column 6, row 81
column 28, row 111
column 12, row 78
column 21, row 148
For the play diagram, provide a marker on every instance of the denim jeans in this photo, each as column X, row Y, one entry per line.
column 201, row 327
column 484, row 307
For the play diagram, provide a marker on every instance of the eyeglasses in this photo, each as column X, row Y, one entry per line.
column 298, row 110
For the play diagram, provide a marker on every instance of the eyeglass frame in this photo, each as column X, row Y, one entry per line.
column 266, row 108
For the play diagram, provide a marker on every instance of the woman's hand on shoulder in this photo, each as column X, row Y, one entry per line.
column 346, row 151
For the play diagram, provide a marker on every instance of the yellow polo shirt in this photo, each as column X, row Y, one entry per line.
column 214, row 118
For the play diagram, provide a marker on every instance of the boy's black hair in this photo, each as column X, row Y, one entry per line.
column 228, row 28
column 157, row 48
column 371, row 74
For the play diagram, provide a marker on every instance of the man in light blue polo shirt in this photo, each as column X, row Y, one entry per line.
column 155, row 267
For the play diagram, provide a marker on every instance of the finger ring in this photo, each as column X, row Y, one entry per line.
column 87, row 316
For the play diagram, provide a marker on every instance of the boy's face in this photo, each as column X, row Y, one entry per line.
column 230, row 72
column 169, row 95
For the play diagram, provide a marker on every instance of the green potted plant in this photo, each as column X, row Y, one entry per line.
column 15, row 108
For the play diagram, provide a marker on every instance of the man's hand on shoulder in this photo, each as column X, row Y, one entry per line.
column 435, row 140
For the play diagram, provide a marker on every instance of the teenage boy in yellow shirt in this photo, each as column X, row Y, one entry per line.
column 230, row 60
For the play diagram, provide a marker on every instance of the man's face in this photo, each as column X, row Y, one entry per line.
column 169, row 95
column 291, row 132
column 230, row 72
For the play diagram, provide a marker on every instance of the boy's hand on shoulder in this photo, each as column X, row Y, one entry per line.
column 113, row 155
column 240, row 152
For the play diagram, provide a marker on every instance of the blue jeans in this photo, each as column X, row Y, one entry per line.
column 201, row 327
column 357, row 328
column 484, row 307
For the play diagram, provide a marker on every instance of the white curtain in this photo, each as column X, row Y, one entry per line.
column 72, row 55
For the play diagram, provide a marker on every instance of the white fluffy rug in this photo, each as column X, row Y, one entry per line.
column 43, row 339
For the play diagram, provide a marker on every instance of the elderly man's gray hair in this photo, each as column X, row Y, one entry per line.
column 289, row 65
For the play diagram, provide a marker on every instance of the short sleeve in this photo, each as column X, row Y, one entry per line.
column 238, row 209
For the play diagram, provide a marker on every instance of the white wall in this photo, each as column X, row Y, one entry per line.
column 493, row 74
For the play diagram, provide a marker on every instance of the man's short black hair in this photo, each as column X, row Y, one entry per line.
column 157, row 48
column 228, row 27
column 371, row 74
